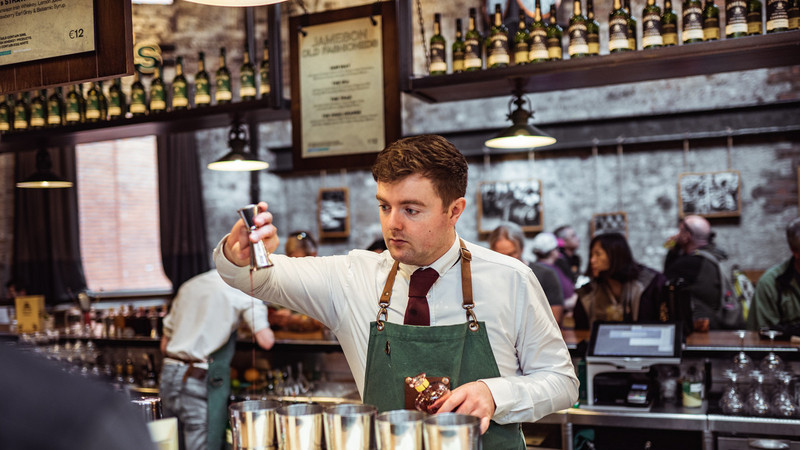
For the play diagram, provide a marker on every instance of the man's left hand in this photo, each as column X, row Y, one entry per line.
column 473, row 398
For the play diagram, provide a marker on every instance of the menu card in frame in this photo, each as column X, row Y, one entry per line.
column 31, row 30
column 345, row 85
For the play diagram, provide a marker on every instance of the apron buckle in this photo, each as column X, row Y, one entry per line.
column 473, row 320
column 381, row 315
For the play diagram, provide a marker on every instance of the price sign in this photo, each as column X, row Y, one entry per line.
column 31, row 30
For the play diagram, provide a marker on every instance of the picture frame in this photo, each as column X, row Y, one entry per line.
column 710, row 194
column 517, row 201
column 611, row 222
column 333, row 212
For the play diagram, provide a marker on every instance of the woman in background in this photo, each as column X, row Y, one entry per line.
column 621, row 290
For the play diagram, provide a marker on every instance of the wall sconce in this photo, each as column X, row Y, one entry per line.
column 236, row 2
column 44, row 177
column 237, row 160
column 521, row 134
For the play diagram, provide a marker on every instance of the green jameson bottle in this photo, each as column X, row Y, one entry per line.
column 138, row 96
column 554, row 35
column 180, row 88
column 22, row 113
column 618, row 29
column 754, row 25
column 263, row 73
column 117, row 102
column 710, row 21
column 93, row 104
column 224, row 93
column 633, row 40
column 473, row 59
column 651, row 26
column 202, row 87
column 692, row 21
column 669, row 25
column 592, row 30
column 459, row 49
column 438, row 58
column 794, row 14
column 247, row 77
column 777, row 16
column 521, row 38
column 578, row 45
column 6, row 115
column 497, row 49
column 158, row 92
column 735, row 18
column 55, row 108
column 74, row 106
column 39, row 109
column 538, row 42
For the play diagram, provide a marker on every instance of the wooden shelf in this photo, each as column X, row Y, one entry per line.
column 217, row 116
column 705, row 58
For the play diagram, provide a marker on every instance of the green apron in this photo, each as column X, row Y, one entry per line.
column 219, row 388
column 460, row 352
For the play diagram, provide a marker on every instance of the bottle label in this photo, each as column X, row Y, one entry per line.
column 180, row 102
column 223, row 96
column 735, row 17
column 538, row 50
column 554, row 48
column 137, row 102
column 578, row 44
column 472, row 54
column 20, row 123
column 438, row 63
column 92, row 113
column 73, row 112
column 37, row 121
column 263, row 88
column 158, row 105
column 247, row 86
column 157, row 98
column 777, row 16
column 692, row 394
column 669, row 33
column 202, row 99
column 618, row 34
column 593, row 41
column 521, row 53
column 711, row 29
column 223, row 89
column 651, row 30
column 179, row 97
column 247, row 91
column 498, row 50
column 114, row 111
column 458, row 60
column 794, row 21
column 4, row 125
column 754, row 22
column 692, row 24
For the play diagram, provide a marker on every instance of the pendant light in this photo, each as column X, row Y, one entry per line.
column 44, row 177
column 238, row 160
column 236, row 2
column 520, row 134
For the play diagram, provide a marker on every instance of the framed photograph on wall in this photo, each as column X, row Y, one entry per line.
column 333, row 212
column 613, row 222
column 510, row 201
column 710, row 194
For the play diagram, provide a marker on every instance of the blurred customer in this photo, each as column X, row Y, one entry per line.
column 509, row 240
column 45, row 407
column 568, row 242
column 545, row 248
column 621, row 290
column 776, row 304
column 301, row 243
column 198, row 345
column 692, row 266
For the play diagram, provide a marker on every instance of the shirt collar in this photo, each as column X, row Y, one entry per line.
column 441, row 265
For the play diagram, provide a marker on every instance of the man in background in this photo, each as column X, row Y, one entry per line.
column 776, row 303
column 198, row 346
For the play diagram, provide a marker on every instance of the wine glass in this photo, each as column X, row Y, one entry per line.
column 741, row 362
column 783, row 403
column 732, row 401
column 757, row 403
column 772, row 363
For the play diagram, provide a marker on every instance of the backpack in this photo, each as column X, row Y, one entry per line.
column 730, row 314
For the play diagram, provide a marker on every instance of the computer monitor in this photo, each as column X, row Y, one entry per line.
column 648, row 343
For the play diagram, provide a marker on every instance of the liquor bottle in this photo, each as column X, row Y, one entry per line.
column 459, row 49
column 578, row 46
column 692, row 21
column 56, row 108
column 438, row 63
column 521, row 38
column 92, row 104
column 158, row 92
column 618, row 29
column 103, row 101
column 473, row 52
column 554, row 34
column 498, row 53
column 247, row 77
column 754, row 25
column 117, row 102
column 138, row 97
column 777, row 16
column 592, row 30
column 180, row 88
column 633, row 37
column 735, row 18
column 538, row 43
column 710, row 21
column 669, row 25
column 202, row 86
column 74, row 108
column 6, row 115
column 651, row 26
column 794, row 14
column 263, row 73
column 428, row 392
column 39, row 109
column 22, row 112
column 223, row 93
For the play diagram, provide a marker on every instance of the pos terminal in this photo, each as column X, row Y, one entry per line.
column 620, row 356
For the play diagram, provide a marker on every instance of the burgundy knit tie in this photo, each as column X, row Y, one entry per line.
column 417, row 312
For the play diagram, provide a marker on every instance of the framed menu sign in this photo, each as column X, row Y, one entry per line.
column 345, row 86
column 31, row 30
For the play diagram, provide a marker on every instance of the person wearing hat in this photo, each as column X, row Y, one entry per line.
column 545, row 247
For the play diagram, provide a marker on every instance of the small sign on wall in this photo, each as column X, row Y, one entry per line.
column 614, row 222
column 31, row 30
column 519, row 202
column 710, row 194
column 333, row 213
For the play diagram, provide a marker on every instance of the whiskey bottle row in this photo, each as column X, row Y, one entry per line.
column 34, row 110
column 541, row 40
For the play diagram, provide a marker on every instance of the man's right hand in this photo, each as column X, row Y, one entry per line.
column 237, row 246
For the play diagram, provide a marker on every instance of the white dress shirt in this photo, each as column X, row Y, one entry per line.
column 205, row 313
column 537, row 376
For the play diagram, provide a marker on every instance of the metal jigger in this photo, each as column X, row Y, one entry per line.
column 259, row 256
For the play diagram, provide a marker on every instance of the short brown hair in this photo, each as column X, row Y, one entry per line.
column 793, row 234
column 428, row 155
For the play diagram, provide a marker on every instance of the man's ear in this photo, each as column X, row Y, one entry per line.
column 455, row 209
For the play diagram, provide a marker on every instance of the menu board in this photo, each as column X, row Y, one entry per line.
column 341, row 87
column 31, row 30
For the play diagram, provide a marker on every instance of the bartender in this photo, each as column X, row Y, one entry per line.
column 433, row 303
